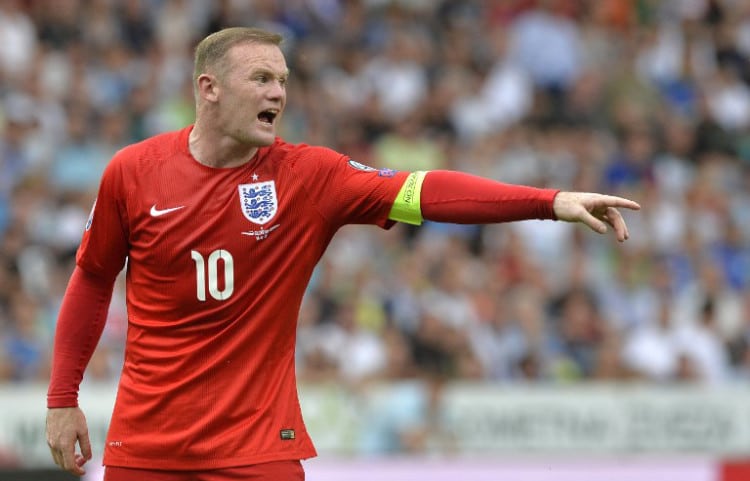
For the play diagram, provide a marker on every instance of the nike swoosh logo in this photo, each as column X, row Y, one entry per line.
column 156, row 212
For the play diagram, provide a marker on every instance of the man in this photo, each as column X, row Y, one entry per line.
column 221, row 224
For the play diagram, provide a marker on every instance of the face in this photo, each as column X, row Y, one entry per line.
column 251, row 93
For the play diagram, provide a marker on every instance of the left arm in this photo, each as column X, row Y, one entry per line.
column 448, row 196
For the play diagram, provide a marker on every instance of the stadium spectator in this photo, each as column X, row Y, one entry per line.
column 651, row 350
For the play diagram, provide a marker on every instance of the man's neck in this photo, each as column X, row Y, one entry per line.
column 218, row 151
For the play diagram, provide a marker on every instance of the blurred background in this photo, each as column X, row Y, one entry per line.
column 463, row 347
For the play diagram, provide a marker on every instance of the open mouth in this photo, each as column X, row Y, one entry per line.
column 268, row 116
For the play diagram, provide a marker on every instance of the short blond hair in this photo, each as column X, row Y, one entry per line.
column 211, row 52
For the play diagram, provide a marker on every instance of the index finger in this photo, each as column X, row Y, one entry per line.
column 83, row 440
column 69, row 459
column 56, row 456
column 614, row 201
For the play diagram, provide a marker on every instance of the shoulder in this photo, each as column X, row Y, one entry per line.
column 150, row 151
column 160, row 144
column 304, row 155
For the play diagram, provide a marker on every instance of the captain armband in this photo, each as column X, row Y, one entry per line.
column 406, row 208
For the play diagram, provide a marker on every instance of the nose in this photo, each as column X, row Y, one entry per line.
column 276, row 90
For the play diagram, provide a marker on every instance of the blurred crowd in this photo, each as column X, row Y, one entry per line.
column 647, row 99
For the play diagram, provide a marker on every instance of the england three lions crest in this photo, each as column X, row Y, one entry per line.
column 258, row 201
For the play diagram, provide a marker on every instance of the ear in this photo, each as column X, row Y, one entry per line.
column 208, row 87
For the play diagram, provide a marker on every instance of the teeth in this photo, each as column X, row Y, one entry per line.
column 267, row 116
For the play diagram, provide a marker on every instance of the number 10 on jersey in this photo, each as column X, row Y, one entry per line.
column 210, row 278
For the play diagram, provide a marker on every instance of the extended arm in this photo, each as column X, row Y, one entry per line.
column 80, row 324
column 448, row 196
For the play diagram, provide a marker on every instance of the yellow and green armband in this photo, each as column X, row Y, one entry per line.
column 406, row 208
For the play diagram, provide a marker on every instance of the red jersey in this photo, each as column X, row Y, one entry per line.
column 218, row 262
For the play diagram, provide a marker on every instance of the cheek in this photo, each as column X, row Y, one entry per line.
column 230, row 112
column 240, row 108
column 240, row 98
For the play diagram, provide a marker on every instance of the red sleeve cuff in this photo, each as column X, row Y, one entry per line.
column 62, row 401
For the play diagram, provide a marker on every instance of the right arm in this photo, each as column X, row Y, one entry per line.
column 79, row 327
column 83, row 313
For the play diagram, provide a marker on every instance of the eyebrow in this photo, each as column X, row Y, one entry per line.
column 266, row 70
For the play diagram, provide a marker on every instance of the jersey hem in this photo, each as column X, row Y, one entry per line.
column 203, row 464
